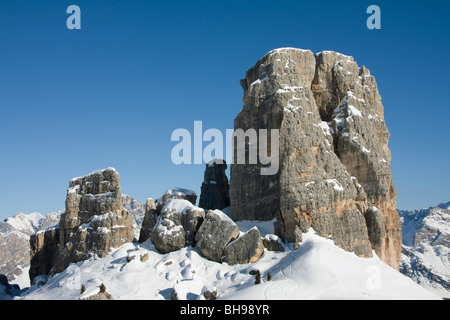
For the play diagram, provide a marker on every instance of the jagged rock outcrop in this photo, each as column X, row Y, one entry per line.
column 214, row 234
column 215, row 187
column 177, row 225
column 94, row 220
column 248, row 248
column 334, row 162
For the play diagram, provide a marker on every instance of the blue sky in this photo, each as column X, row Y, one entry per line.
column 110, row 94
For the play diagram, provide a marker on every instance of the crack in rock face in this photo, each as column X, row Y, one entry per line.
column 334, row 162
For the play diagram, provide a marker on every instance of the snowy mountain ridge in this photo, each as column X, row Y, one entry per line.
column 15, row 235
column 426, row 247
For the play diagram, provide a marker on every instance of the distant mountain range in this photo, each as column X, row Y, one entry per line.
column 426, row 247
column 15, row 235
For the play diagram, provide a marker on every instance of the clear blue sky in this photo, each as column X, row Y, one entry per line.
column 110, row 94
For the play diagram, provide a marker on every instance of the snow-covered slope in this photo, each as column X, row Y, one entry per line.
column 426, row 248
column 318, row 270
column 25, row 223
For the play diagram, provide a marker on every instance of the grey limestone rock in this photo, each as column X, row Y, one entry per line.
column 177, row 225
column 216, row 231
column 334, row 162
column 43, row 250
column 149, row 221
column 248, row 248
column 176, row 193
column 94, row 220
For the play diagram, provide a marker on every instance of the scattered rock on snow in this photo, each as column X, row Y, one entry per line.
column 248, row 248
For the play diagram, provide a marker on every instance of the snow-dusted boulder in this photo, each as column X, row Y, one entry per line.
column 248, row 248
column 177, row 225
column 188, row 289
column 215, row 233
column 175, row 193
column 272, row 243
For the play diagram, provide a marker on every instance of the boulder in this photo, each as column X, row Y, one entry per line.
column 215, row 187
column 248, row 248
column 177, row 225
column 176, row 193
column 272, row 243
column 209, row 293
column 216, row 231
column 100, row 296
column 187, row 289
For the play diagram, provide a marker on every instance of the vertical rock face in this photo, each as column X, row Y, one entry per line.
column 94, row 221
column 334, row 162
column 15, row 235
column 215, row 188
column 43, row 250
column 150, row 217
